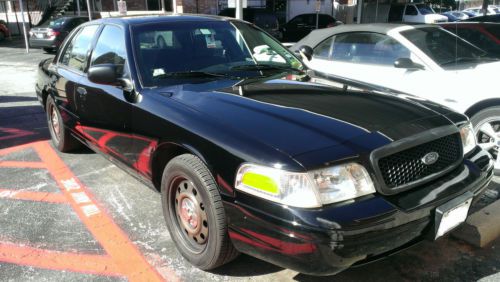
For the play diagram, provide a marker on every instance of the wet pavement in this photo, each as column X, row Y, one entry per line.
column 77, row 217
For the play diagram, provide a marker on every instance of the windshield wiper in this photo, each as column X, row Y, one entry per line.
column 259, row 67
column 191, row 74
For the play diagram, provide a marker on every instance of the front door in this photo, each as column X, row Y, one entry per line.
column 105, row 114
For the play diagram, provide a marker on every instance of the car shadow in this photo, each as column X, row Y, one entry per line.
column 247, row 266
column 10, row 99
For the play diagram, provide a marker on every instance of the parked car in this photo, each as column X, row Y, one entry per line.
column 485, row 19
column 424, row 60
column 302, row 25
column 298, row 174
column 51, row 36
column 263, row 18
column 470, row 14
column 414, row 13
column 4, row 30
column 454, row 16
column 479, row 11
column 484, row 35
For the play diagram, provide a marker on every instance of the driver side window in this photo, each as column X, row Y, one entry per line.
column 110, row 49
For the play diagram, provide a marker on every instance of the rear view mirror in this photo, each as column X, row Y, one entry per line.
column 407, row 63
column 306, row 52
column 103, row 74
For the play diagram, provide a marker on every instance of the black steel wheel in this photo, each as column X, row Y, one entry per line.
column 194, row 213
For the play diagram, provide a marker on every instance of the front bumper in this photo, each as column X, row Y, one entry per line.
column 327, row 240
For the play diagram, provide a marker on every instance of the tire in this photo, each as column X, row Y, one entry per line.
column 2, row 36
column 48, row 50
column 194, row 213
column 486, row 125
column 60, row 135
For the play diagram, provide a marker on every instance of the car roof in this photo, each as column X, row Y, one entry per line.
column 318, row 35
column 160, row 18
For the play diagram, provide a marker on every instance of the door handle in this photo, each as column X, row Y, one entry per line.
column 81, row 91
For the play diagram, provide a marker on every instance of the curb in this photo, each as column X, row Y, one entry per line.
column 482, row 227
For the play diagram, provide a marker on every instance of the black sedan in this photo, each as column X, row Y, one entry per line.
column 51, row 36
column 305, row 176
column 301, row 25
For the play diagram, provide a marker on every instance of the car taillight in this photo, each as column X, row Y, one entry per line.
column 52, row 33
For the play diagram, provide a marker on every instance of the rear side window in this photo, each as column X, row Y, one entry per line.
column 76, row 53
column 110, row 48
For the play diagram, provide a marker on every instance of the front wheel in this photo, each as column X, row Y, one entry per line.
column 487, row 128
column 194, row 213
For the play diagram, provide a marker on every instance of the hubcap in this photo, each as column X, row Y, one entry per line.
column 190, row 211
column 54, row 118
column 488, row 137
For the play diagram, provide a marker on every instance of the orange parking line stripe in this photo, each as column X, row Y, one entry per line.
column 32, row 196
column 85, row 263
column 9, row 150
column 129, row 260
column 22, row 164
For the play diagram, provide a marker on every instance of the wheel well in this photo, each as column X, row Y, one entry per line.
column 162, row 156
column 481, row 106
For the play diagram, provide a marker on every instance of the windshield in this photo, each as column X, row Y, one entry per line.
column 214, row 48
column 443, row 47
column 57, row 23
column 424, row 9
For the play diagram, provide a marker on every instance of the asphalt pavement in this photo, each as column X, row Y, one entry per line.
column 77, row 217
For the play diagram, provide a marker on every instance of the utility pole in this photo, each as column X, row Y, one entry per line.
column 89, row 9
column 239, row 9
column 24, row 27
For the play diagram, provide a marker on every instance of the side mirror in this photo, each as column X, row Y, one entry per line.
column 306, row 52
column 103, row 74
column 407, row 63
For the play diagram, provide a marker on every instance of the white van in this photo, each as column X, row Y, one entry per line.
column 414, row 13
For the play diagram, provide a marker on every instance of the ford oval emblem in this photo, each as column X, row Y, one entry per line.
column 430, row 158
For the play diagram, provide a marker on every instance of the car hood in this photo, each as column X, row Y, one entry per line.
column 298, row 117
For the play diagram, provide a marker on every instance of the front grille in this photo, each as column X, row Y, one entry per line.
column 406, row 166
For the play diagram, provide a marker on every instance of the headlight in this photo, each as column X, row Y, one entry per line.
column 468, row 137
column 306, row 190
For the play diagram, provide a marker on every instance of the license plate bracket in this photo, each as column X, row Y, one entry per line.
column 451, row 214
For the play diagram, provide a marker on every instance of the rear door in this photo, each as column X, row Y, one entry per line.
column 69, row 71
column 105, row 113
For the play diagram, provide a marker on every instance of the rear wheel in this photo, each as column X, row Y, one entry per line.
column 194, row 213
column 61, row 137
column 487, row 128
column 48, row 50
column 2, row 36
